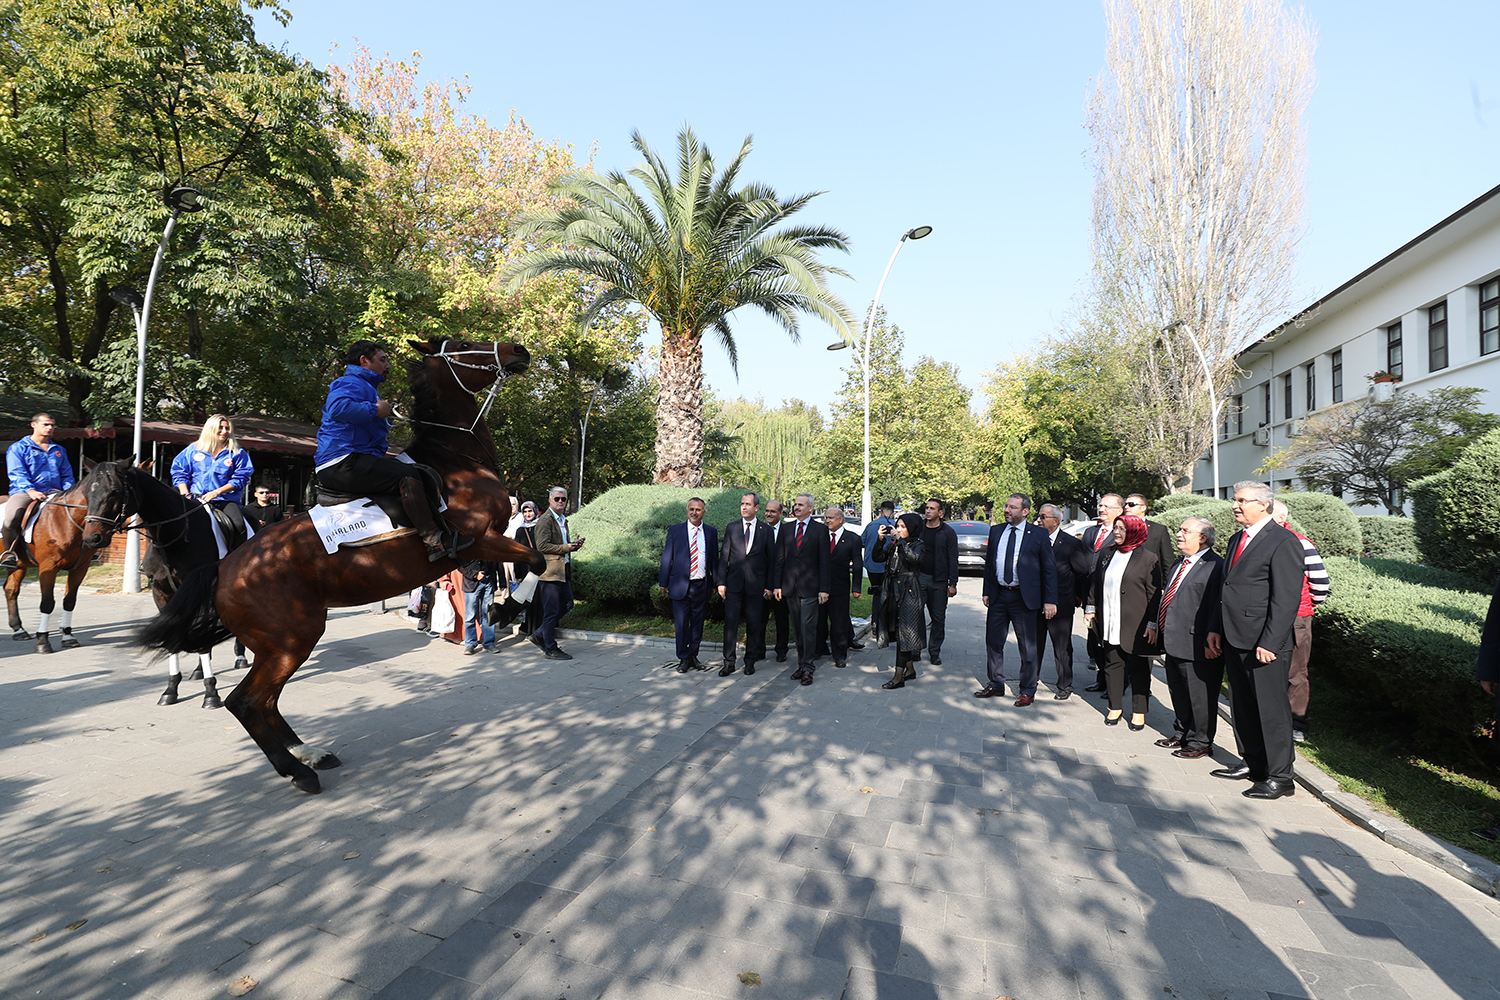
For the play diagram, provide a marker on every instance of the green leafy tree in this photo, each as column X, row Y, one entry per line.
column 690, row 250
column 769, row 450
column 1369, row 451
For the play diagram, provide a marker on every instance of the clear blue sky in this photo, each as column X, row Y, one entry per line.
column 965, row 117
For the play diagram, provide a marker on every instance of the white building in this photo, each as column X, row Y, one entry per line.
column 1428, row 313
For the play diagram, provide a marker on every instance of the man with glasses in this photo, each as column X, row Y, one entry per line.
column 554, row 587
column 1253, row 629
column 1158, row 536
column 1075, row 566
column 263, row 511
column 1190, row 600
column 938, row 575
column 775, row 606
column 803, row 581
column 1099, row 537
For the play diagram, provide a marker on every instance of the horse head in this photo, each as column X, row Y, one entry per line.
column 108, row 496
column 474, row 364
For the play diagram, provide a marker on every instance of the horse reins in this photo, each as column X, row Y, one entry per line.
column 500, row 376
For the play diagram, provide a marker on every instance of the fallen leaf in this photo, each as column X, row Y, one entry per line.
column 750, row 978
column 241, row 986
column 867, row 790
column 76, row 924
column 351, row 855
column 35, row 739
column 38, row 937
column 650, row 829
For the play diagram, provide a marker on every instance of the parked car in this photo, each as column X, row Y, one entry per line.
column 973, row 540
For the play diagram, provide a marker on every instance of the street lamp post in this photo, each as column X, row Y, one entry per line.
column 864, row 364
column 1213, row 401
column 179, row 200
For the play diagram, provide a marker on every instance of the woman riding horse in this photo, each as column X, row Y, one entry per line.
column 288, row 559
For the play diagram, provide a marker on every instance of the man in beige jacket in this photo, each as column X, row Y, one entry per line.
column 554, row 587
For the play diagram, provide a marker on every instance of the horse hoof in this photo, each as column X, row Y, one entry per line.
column 308, row 783
column 197, row 674
column 212, row 701
column 241, row 664
column 44, row 645
column 71, row 643
column 327, row 762
column 168, row 697
column 21, row 635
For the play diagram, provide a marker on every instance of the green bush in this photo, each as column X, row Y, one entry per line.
column 1387, row 537
column 1410, row 635
column 1173, row 501
column 1326, row 520
column 1217, row 511
column 1471, row 495
column 626, row 530
column 1436, row 547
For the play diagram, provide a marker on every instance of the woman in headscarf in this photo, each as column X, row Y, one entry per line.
column 902, row 614
column 523, row 530
column 1122, row 608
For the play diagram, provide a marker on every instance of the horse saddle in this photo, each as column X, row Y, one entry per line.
column 233, row 531
column 31, row 513
column 388, row 502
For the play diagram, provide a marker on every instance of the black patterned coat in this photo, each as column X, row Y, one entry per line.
column 903, row 616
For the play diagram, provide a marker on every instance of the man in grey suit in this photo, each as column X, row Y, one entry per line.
column 1075, row 567
column 1190, row 600
column 1262, row 590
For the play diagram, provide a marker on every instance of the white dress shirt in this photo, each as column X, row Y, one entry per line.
column 1113, row 577
column 1015, row 559
column 695, row 537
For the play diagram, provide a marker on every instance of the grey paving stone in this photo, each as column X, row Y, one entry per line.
column 605, row 838
column 526, row 906
column 817, row 853
column 917, row 790
column 417, row 983
column 1163, row 820
column 1282, row 890
column 1219, row 853
column 475, row 951
column 1130, row 795
column 869, row 984
column 1338, row 977
column 1371, row 939
column 857, row 941
column 858, row 829
column 895, row 810
column 839, row 893
column 785, row 926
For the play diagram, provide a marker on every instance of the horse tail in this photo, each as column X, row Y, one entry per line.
column 190, row 621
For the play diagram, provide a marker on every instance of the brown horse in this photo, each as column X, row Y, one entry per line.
column 61, row 542
column 274, row 592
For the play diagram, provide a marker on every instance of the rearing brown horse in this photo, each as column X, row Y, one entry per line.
column 274, row 592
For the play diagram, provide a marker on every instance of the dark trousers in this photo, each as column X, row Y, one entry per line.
column 556, row 600
column 1262, row 712
column 805, row 622
column 1119, row 665
column 748, row 606
column 835, row 630
column 1195, row 688
column 876, row 599
column 1007, row 609
column 935, row 598
column 773, row 609
column 1060, row 629
column 1298, row 691
column 687, row 616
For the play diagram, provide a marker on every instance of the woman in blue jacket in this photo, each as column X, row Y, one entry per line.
column 215, row 468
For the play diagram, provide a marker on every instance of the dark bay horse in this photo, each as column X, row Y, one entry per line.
column 182, row 540
column 61, row 542
column 275, row 591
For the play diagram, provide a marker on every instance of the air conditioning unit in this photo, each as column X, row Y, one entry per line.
column 1296, row 428
column 1262, row 436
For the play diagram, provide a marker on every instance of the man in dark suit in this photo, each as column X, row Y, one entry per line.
column 1097, row 538
column 775, row 607
column 938, row 575
column 744, row 579
column 1158, row 536
column 1020, row 589
column 689, row 561
column 1191, row 597
column 1075, row 566
column 1253, row 629
column 803, row 565
column 846, row 565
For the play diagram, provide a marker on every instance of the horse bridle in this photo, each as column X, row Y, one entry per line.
column 452, row 360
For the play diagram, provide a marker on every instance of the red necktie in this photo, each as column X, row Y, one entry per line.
column 692, row 552
column 1161, row 616
column 831, row 540
column 1244, row 539
column 1099, row 538
column 798, row 540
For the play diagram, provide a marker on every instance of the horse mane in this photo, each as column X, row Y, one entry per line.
column 437, row 397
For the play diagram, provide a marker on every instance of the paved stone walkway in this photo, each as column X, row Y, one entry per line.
column 508, row 826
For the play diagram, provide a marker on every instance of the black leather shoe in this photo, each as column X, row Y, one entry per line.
column 807, row 678
column 856, row 645
column 840, row 663
column 558, row 654
column 893, row 684
column 1241, row 773
column 1061, row 695
column 1271, row 788
column 780, row 657
column 935, row 661
column 1096, row 686
column 1169, row 742
column 991, row 691
column 749, row 668
column 684, row 665
column 726, row 670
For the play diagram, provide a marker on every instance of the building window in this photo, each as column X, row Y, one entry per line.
column 1437, row 337
column 1393, row 350
column 1338, row 375
column 1265, row 391
column 1312, row 381
column 1286, row 396
column 1489, row 316
column 1234, row 418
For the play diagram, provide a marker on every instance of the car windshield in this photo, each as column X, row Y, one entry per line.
column 970, row 527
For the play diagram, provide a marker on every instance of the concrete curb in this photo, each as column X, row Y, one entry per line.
column 1481, row 873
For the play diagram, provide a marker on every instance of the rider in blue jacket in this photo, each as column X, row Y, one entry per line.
column 352, row 443
column 215, row 469
column 36, row 467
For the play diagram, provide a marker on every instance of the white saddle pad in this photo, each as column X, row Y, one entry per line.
column 358, row 521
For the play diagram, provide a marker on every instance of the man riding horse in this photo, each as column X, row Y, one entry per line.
column 351, row 450
column 36, row 468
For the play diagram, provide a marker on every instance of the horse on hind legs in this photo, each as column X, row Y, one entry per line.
column 182, row 540
column 275, row 591
column 61, row 541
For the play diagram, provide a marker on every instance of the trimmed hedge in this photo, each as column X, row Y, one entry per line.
column 1217, row 511
column 1471, row 495
column 1326, row 520
column 1408, row 634
column 1172, row 501
column 626, row 530
column 1435, row 547
column 1387, row 537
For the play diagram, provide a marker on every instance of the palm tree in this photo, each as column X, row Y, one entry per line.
column 691, row 251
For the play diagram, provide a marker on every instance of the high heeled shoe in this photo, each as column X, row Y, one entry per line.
column 1113, row 720
column 1135, row 728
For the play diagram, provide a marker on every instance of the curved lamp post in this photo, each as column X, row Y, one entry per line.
column 179, row 200
column 864, row 364
column 1213, row 401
